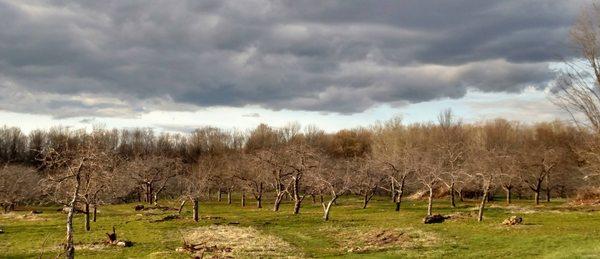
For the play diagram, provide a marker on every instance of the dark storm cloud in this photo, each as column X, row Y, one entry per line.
column 341, row 56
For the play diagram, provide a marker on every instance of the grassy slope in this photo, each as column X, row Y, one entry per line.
column 550, row 231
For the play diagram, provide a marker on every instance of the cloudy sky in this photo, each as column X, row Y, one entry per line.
column 177, row 65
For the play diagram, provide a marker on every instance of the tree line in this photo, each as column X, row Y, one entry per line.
column 429, row 160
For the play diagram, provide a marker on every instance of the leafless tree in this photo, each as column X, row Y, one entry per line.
column 153, row 173
column 576, row 91
column 299, row 160
column 69, row 168
column 333, row 177
column 368, row 177
column 196, row 180
column 251, row 176
column 18, row 184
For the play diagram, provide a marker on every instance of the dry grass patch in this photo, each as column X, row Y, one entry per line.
column 23, row 216
column 224, row 241
column 377, row 239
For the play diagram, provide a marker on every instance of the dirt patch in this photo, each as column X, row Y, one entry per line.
column 224, row 241
column 523, row 211
column 360, row 240
column 23, row 216
column 462, row 215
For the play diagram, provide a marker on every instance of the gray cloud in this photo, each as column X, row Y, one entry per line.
column 332, row 56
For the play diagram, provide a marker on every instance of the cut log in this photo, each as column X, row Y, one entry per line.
column 513, row 220
column 435, row 218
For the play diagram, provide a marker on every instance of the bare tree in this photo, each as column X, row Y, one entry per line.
column 334, row 177
column 299, row 160
column 153, row 173
column 576, row 91
column 197, row 180
column 451, row 142
column 251, row 176
column 69, row 168
column 270, row 160
column 367, row 177
column 18, row 184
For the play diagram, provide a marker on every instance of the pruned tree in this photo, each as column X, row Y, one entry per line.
column 251, row 176
column 70, row 166
column 196, row 180
column 429, row 166
column 277, row 174
column 451, row 142
column 153, row 173
column 299, row 160
column 368, row 177
column 333, row 177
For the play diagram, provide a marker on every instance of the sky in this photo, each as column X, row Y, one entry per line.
column 180, row 65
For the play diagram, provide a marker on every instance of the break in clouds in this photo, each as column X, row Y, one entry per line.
column 119, row 58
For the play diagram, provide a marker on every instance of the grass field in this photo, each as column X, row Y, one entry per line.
column 551, row 230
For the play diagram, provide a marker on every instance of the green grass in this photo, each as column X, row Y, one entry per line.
column 550, row 230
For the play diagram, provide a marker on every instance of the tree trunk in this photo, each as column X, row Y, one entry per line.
column 149, row 194
column 155, row 198
column 399, row 194
column 196, row 208
column 297, row 198
column 327, row 208
column 548, row 189
column 259, row 196
column 181, row 207
column 243, row 199
column 537, row 197
column 508, row 195
column 321, row 198
column 365, row 200
column 87, row 217
column 69, row 247
column 95, row 212
column 430, row 201
column 297, row 203
column 452, row 202
column 393, row 190
column 314, row 198
column 278, row 200
column 219, row 196
column 228, row 196
column 482, row 205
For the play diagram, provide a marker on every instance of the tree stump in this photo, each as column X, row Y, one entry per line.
column 112, row 237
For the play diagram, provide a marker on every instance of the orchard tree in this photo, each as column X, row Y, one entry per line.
column 300, row 160
column 153, row 173
column 196, row 180
column 367, row 177
column 333, row 177
column 69, row 167
column 251, row 177
column 18, row 184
